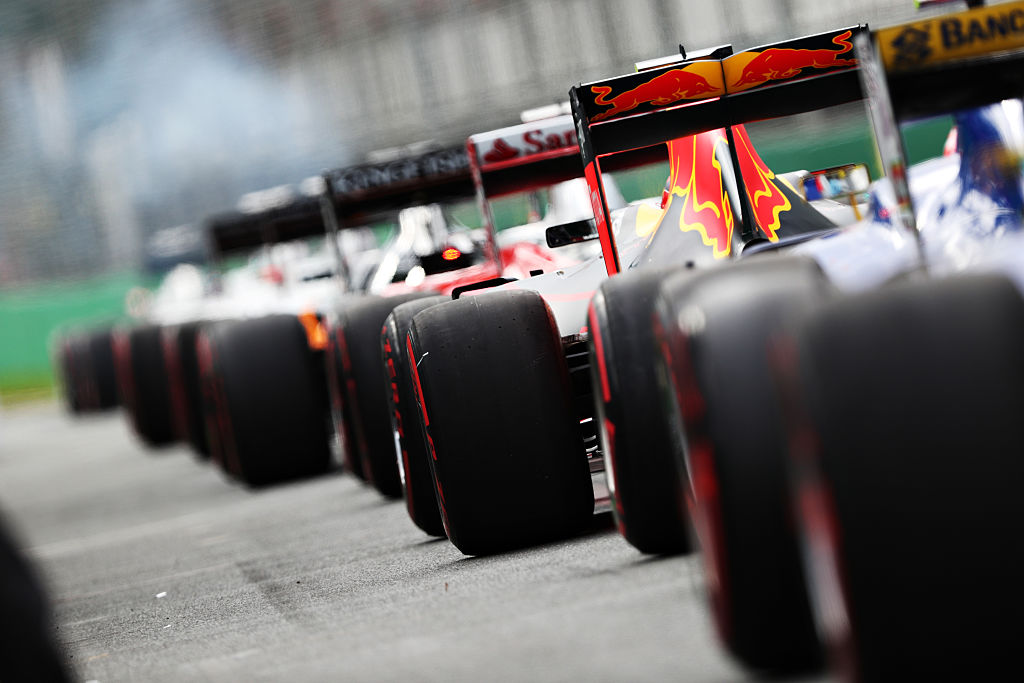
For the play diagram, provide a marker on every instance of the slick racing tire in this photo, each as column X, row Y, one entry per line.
column 70, row 364
column 636, row 439
column 86, row 365
column 142, row 383
column 265, row 396
column 28, row 648
column 359, row 333
column 908, row 471
column 411, row 449
column 717, row 327
column 101, row 362
column 509, row 464
column 341, row 411
column 183, row 380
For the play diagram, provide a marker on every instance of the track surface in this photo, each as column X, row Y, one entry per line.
column 159, row 569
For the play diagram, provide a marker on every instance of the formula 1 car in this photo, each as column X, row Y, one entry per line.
column 264, row 378
column 901, row 399
column 420, row 191
column 713, row 229
column 517, row 163
column 448, row 261
column 261, row 355
column 155, row 358
column 518, row 342
column 146, row 363
column 863, row 415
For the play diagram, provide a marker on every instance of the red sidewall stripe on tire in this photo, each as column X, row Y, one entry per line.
column 703, row 495
column 389, row 355
column 426, row 428
column 175, row 384
column 609, row 426
column 228, row 450
column 815, row 510
column 362, row 449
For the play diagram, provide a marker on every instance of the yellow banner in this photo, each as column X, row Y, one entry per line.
column 973, row 33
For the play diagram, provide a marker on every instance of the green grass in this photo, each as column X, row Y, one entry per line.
column 31, row 317
column 26, row 387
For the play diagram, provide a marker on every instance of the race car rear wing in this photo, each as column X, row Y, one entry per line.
column 293, row 217
column 521, row 158
column 959, row 61
column 360, row 194
column 718, row 90
column 524, row 157
column 937, row 66
column 351, row 196
column 531, row 155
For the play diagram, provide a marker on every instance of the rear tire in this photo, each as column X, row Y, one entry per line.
column 509, row 464
column 183, row 379
column 86, row 365
column 718, row 325
column 266, row 397
column 101, row 357
column 411, row 449
column 341, row 411
column 908, row 472
column 142, row 382
column 359, row 336
column 636, row 439
column 69, row 364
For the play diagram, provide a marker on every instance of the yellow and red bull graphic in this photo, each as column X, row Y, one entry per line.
column 767, row 200
column 698, row 201
column 749, row 69
column 695, row 81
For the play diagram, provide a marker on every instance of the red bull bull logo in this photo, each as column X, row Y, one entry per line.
column 767, row 201
column 750, row 69
column 698, row 190
column 693, row 81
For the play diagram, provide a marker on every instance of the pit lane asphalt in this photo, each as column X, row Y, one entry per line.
column 159, row 569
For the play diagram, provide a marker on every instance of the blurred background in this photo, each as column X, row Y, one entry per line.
column 123, row 123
